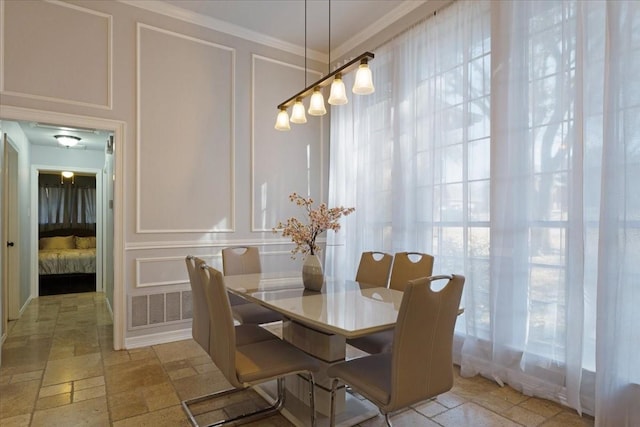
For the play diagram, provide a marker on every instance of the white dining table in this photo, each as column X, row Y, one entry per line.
column 319, row 323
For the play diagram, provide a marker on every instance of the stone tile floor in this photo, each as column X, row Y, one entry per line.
column 59, row 369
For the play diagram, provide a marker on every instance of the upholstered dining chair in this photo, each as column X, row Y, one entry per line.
column 246, row 260
column 404, row 269
column 420, row 364
column 201, row 325
column 374, row 268
column 251, row 363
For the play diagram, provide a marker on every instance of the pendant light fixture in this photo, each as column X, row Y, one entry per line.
column 297, row 112
column 338, row 96
column 282, row 121
column 363, row 84
column 316, row 104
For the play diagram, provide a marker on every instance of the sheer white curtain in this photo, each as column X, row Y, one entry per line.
column 618, row 313
column 532, row 195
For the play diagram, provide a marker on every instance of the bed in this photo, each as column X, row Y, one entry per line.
column 67, row 261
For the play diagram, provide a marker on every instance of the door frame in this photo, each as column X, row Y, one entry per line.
column 118, row 128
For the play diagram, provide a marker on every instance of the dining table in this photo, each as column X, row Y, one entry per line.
column 319, row 323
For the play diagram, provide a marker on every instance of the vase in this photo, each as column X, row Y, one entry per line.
column 312, row 275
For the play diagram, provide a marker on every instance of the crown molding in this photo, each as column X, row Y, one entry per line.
column 172, row 11
column 405, row 8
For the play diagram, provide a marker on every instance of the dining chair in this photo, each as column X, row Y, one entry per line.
column 246, row 260
column 374, row 268
column 420, row 364
column 248, row 364
column 201, row 325
column 404, row 269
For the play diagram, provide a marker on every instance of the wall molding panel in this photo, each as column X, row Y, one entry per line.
column 185, row 122
column 285, row 152
column 69, row 45
column 164, row 271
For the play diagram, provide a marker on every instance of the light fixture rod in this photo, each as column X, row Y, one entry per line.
column 326, row 80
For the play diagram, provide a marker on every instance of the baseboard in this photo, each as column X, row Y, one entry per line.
column 109, row 308
column 159, row 338
column 24, row 307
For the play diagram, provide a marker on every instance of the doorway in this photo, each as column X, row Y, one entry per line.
column 115, row 221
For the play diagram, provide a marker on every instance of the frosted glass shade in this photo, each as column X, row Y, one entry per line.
column 297, row 112
column 282, row 122
column 338, row 94
column 67, row 140
column 316, row 105
column 363, row 84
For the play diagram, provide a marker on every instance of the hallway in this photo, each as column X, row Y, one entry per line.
column 59, row 369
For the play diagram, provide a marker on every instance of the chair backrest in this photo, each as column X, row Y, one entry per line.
column 422, row 363
column 241, row 260
column 374, row 271
column 200, row 329
column 222, row 342
column 405, row 269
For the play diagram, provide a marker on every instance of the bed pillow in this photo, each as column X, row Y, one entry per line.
column 85, row 242
column 58, row 242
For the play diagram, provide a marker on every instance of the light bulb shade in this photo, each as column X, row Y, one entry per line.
column 316, row 104
column 338, row 95
column 363, row 84
column 67, row 174
column 282, row 122
column 67, row 140
column 297, row 113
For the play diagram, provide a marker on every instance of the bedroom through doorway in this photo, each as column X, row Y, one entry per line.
column 67, row 223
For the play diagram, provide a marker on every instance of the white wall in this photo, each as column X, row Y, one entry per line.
column 198, row 106
column 203, row 167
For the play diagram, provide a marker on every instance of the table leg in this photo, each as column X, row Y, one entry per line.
column 329, row 349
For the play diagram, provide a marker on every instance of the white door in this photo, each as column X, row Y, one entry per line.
column 10, row 235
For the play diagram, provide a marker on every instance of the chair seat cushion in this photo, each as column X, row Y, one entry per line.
column 270, row 359
column 379, row 342
column 254, row 314
column 248, row 334
column 369, row 375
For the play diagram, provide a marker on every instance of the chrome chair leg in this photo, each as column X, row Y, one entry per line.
column 312, row 399
column 261, row 413
column 332, row 414
column 387, row 420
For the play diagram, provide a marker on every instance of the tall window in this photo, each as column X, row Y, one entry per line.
column 504, row 138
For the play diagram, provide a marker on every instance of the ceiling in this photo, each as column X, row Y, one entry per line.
column 352, row 21
column 43, row 134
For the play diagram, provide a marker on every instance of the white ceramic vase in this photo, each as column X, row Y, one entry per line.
column 312, row 275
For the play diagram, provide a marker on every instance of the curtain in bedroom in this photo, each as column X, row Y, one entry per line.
column 66, row 206
column 504, row 139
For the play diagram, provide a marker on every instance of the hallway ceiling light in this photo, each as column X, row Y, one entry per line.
column 363, row 85
column 67, row 174
column 67, row 140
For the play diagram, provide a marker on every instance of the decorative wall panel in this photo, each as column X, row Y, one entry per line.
column 282, row 162
column 162, row 271
column 185, row 133
column 56, row 51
